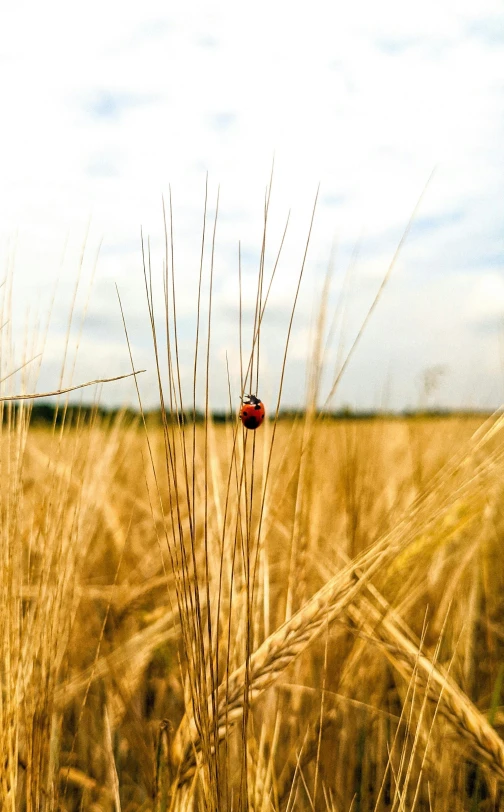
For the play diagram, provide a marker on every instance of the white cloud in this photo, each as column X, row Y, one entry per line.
column 105, row 105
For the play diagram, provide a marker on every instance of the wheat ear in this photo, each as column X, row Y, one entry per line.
column 442, row 691
column 277, row 652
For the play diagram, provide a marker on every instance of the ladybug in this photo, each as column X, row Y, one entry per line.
column 252, row 412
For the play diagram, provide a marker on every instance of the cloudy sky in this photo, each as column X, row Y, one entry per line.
column 105, row 106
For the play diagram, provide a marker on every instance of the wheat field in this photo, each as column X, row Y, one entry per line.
column 195, row 616
column 327, row 636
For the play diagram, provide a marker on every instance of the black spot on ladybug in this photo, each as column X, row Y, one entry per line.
column 257, row 406
column 251, row 422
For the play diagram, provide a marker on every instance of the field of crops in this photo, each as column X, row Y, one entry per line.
column 302, row 617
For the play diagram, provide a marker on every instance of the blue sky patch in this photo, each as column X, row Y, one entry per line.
column 396, row 47
column 110, row 104
column 102, row 166
column 490, row 30
column 334, row 200
column 421, row 225
column 223, row 121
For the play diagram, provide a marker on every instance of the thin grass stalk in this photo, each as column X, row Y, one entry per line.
column 377, row 298
column 280, row 388
column 249, row 542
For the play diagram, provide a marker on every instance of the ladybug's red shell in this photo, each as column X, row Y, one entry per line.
column 252, row 412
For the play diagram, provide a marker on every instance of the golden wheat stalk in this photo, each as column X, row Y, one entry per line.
column 442, row 691
column 277, row 652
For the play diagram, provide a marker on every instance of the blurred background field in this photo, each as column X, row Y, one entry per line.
column 93, row 650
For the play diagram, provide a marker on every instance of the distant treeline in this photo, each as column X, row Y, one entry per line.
column 49, row 413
